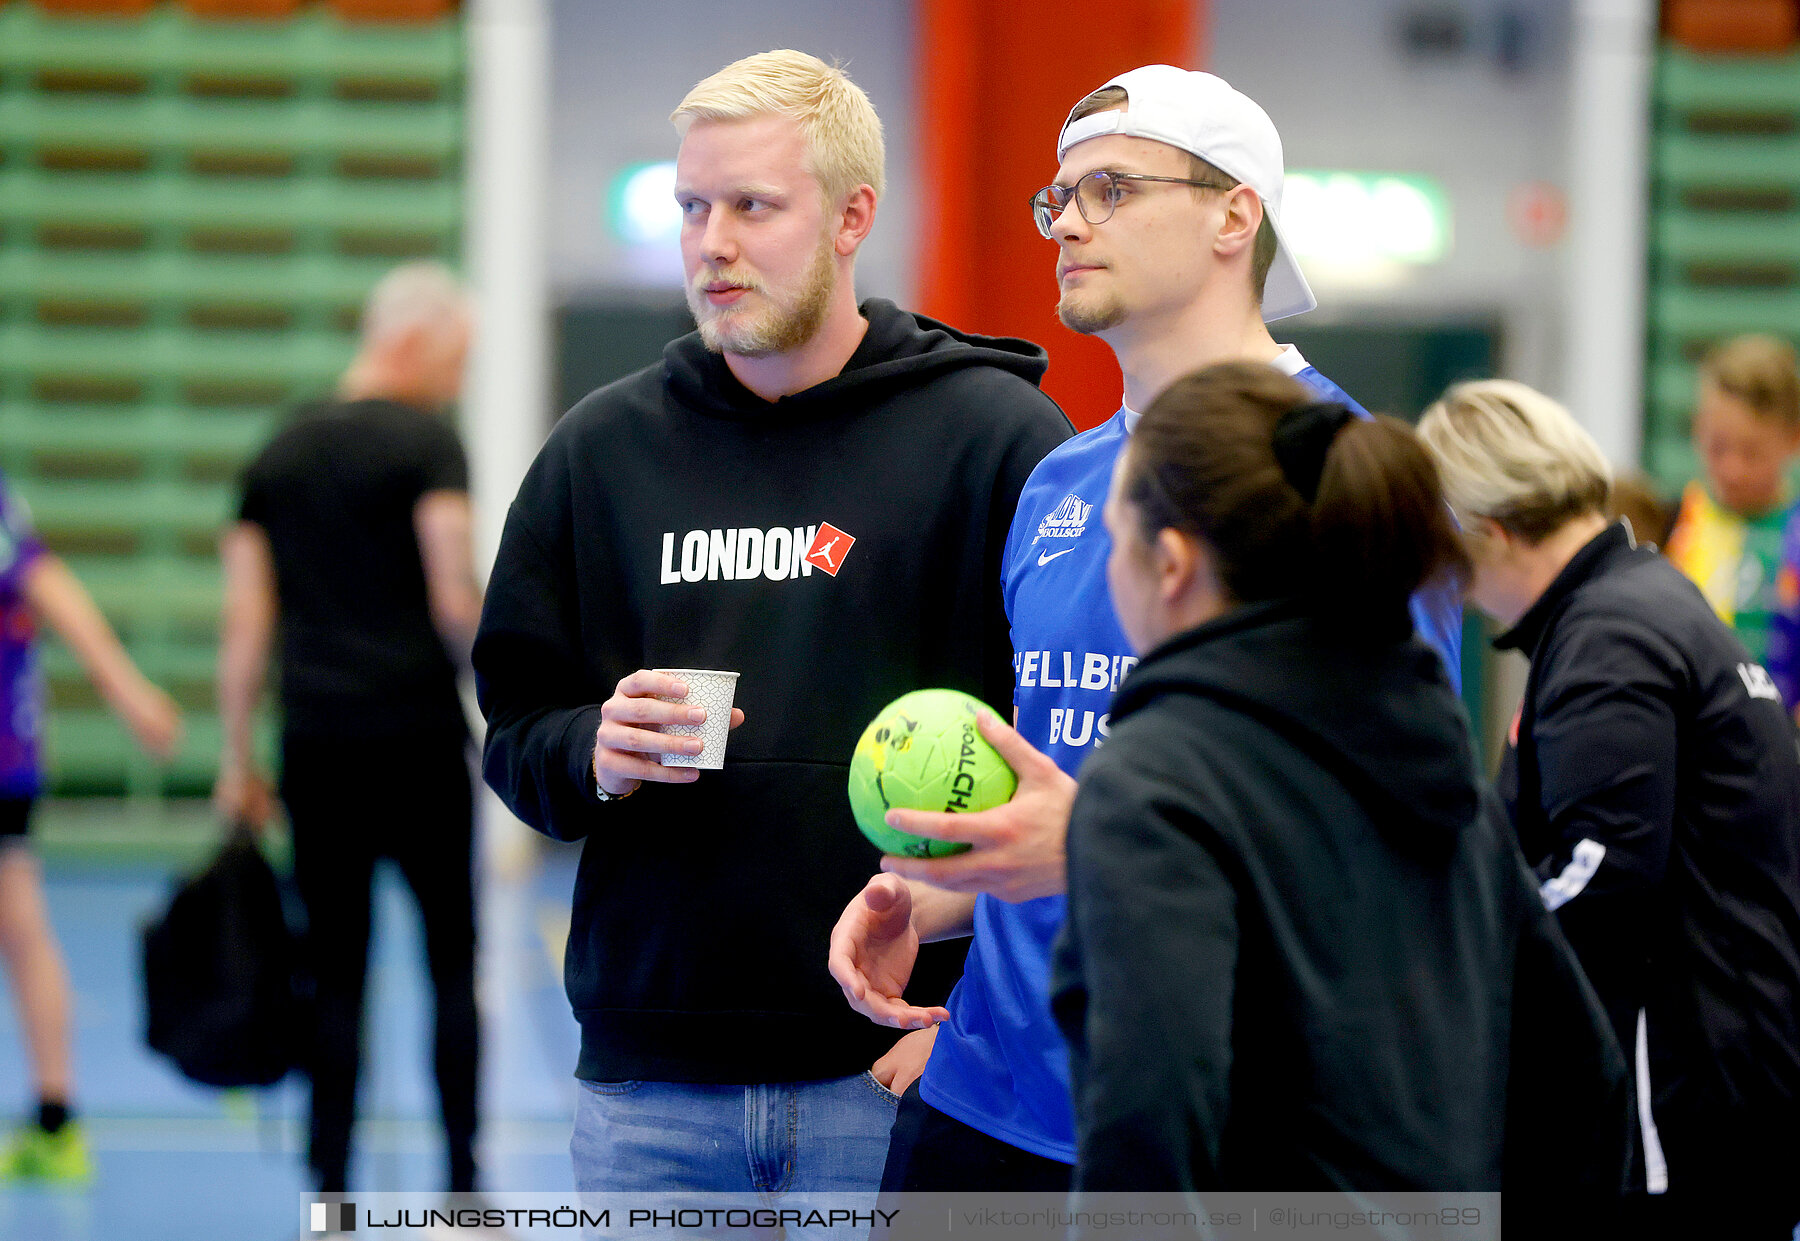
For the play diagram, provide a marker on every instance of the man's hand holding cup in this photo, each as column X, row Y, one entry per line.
column 631, row 745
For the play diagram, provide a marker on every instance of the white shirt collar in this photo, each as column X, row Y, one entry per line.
column 1288, row 362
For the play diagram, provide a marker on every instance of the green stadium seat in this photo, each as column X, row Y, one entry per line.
column 1691, row 82
column 175, row 207
column 1724, row 226
column 1727, row 237
column 193, row 207
column 313, row 49
column 1714, row 160
column 301, row 282
column 1714, row 313
column 281, row 366
column 159, row 127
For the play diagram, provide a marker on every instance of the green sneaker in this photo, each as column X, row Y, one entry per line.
column 59, row 1158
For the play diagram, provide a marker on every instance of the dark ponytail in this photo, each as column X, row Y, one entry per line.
column 1381, row 528
column 1346, row 512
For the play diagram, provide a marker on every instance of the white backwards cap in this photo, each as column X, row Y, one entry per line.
column 1202, row 115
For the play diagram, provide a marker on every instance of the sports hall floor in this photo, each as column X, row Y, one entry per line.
column 178, row 1161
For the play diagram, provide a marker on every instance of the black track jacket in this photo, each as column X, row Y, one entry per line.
column 837, row 548
column 1657, row 792
column 1303, row 952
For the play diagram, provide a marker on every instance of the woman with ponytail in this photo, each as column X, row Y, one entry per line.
column 1302, row 952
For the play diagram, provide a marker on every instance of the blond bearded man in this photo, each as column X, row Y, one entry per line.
column 812, row 492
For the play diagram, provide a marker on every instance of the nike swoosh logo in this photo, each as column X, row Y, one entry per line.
column 1045, row 558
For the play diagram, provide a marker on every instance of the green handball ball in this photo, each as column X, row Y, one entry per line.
column 925, row 752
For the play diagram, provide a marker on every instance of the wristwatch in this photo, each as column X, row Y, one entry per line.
column 601, row 794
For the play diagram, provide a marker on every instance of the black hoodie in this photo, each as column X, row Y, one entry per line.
column 837, row 548
column 1302, row 951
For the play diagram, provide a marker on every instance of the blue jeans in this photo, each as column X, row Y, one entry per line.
column 776, row 1142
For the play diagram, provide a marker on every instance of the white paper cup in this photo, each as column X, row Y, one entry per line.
column 713, row 690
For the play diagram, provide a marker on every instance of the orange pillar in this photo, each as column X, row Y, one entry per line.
column 996, row 81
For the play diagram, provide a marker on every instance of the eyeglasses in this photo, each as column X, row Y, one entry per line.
column 1096, row 195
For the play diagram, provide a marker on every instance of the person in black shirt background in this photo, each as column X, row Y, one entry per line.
column 353, row 546
column 1653, row 781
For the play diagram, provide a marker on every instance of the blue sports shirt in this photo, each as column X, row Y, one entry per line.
column 999, row 1064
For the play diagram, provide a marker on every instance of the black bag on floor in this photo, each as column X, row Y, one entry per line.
column 219, row 973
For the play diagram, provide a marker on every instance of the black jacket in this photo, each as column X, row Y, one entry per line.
column 1656, row 789
column 1303, row 952
column 667, row 523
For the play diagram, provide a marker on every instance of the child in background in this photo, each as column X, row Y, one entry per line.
column 35, row 587
column 1737, row 535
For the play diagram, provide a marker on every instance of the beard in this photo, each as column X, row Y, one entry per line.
column 1091, row 316
column 788, row 321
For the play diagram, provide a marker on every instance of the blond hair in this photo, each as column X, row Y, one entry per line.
column 424, row 293
column 1760, row 371
column 843, row 134
column 1508, row 452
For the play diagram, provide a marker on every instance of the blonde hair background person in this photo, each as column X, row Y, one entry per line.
column 1654, row 785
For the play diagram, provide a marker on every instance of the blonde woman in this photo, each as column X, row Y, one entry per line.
column 1653, row 782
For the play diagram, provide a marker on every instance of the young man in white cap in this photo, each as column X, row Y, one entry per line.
column 1165, row 211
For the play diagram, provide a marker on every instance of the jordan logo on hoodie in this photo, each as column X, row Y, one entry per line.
column 829, row 548
column 734, row 555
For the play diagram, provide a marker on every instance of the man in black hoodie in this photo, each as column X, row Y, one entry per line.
column 809, row 492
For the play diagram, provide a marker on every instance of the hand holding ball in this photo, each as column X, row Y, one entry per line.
column 924, row 751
